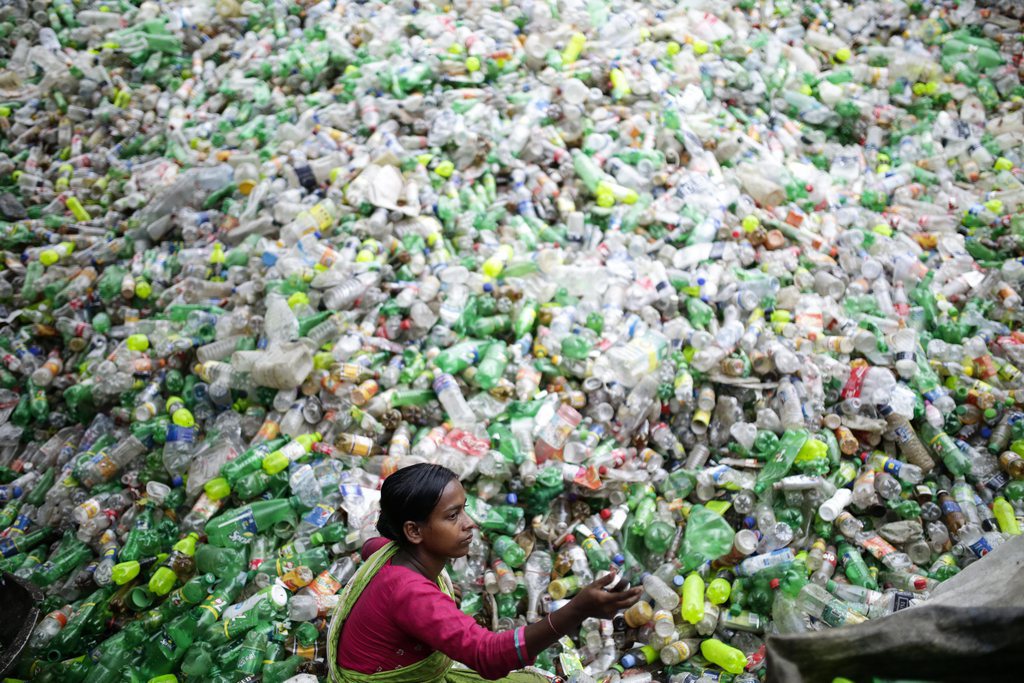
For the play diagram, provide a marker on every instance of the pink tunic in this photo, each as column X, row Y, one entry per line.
column 402, row 618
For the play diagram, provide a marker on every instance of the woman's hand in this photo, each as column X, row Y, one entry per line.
column 592, row 601
column 595, row 601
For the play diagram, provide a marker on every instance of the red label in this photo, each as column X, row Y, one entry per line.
column 856, row 381
column 468, row 443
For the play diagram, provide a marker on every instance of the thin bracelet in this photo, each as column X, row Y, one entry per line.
column 553, row 626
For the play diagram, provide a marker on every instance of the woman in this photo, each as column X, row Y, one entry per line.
column 407, row 628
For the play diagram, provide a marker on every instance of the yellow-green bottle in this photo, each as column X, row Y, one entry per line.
column 725, row 656
column 1005, row 516
column 693, row 598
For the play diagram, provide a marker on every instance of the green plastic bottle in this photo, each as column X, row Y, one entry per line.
column 779, row 464
column 509, row 551
column 240, row 525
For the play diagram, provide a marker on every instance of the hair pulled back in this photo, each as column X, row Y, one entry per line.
column 410, row 495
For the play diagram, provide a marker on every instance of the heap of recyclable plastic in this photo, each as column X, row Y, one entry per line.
column 726, row 296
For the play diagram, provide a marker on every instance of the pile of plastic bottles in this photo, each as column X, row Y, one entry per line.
column 723, row 294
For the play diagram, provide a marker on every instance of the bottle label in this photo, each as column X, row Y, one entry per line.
column 293, row 450
column 832, row 616
column 165, row 643
column 268, row 431
column 466, row 442
column 878, row 547
column 359, row 446
column 180, row 434
column 106, row 468
column 981, row 547
column 245, row 527
column 950, row 507
column 600, row 533
column 325, row 584
column 444, row 382
column 322, row 216
column 319, row 515
column 903, row 433
column 829, row 558
column 997, row 481
column 205, row 507
column 283, row 565
column 893, row 467
column 399, row 444
column 215, row 604
column 853, row 385
column 177, row 598
column 902, row 600
column 295, row 579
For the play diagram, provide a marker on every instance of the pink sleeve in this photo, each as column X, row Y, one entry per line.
column 373, row 545
column 432, row 617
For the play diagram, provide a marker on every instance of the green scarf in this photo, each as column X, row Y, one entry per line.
column 436, row 668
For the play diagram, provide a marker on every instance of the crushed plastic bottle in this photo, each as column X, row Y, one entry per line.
column 725, row 296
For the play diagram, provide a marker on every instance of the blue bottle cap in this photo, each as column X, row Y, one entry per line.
column 678, row 581
column 512, row 498
column 619, row 559
column 628, row 661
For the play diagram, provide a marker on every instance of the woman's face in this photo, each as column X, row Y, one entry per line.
column 449, row 530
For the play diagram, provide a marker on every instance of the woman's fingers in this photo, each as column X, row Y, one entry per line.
column 628, row 598
column 615, row 602
column 617, row 588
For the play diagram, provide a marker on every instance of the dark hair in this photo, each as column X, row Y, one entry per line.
column 410, row 494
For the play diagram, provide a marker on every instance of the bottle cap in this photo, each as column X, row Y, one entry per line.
column 278, row 597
